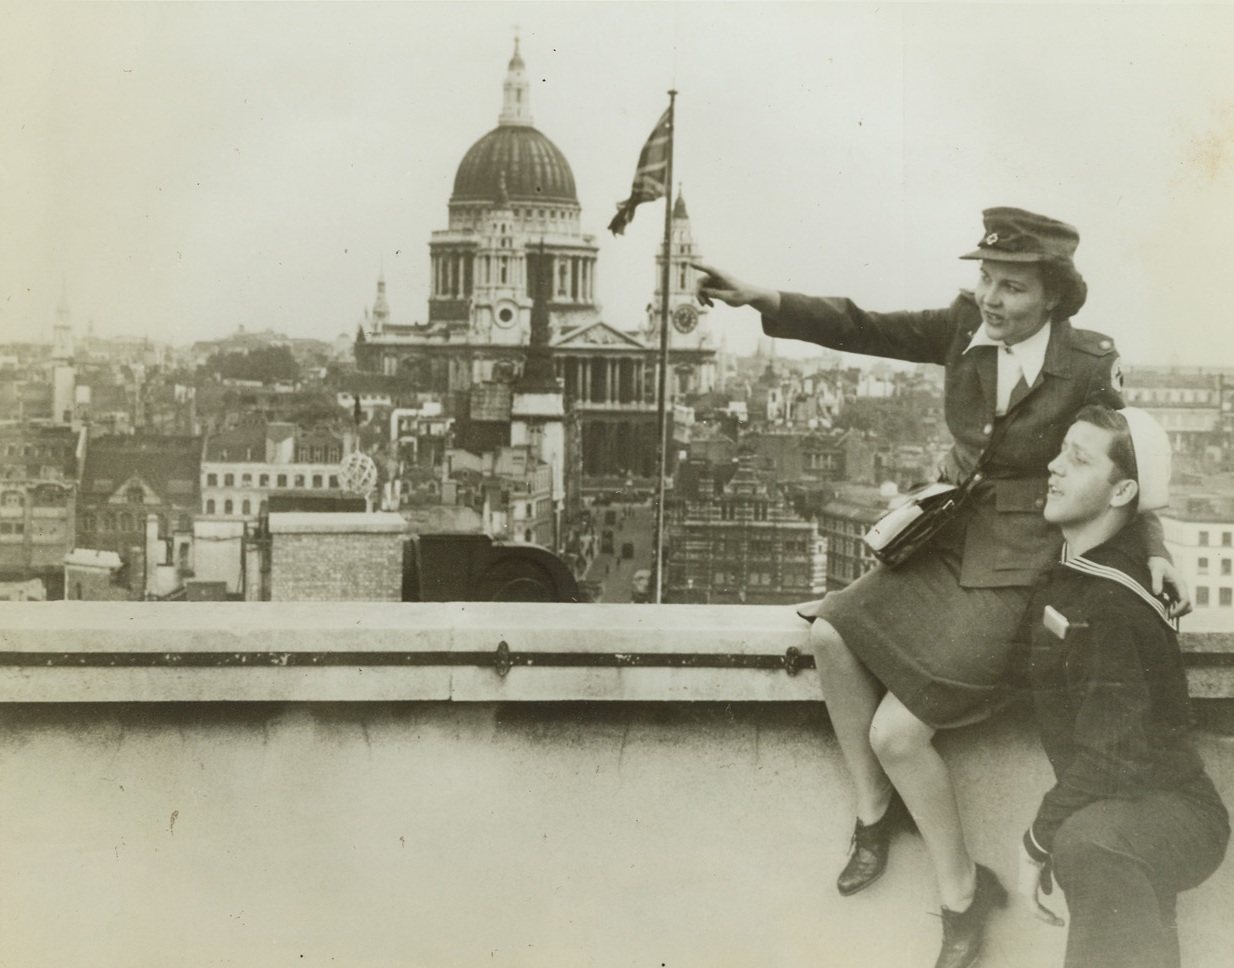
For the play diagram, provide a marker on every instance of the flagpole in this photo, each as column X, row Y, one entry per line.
column 663, row 390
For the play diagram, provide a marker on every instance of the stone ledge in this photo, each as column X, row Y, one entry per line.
column 462, row 651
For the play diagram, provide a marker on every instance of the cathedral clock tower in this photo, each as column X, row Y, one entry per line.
column 691, row 341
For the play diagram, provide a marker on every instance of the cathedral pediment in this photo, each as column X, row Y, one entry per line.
column 598, row 334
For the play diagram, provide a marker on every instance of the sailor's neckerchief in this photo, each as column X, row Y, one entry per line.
column 1087, row 566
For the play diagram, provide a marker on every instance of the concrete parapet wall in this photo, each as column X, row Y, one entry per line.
column 512, row 835
column 465, row 651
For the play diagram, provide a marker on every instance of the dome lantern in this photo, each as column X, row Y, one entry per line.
column 516, row 100
column 514, row 161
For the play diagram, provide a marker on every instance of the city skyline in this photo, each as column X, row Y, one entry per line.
column 180, row 170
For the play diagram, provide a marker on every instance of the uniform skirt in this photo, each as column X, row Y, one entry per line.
column 943, row 650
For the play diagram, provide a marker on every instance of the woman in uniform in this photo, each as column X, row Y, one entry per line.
column 906, row 651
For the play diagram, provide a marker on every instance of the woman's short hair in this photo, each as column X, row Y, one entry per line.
column 1063, row 282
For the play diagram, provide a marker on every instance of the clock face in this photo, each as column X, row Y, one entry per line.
column 685, row 318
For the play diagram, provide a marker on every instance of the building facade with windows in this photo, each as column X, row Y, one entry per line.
column 739, row 541
column 1195, row 405
column 38, row 503
column 129, row 479
column 844, row 522
column 242, row 468
column 1199, row 534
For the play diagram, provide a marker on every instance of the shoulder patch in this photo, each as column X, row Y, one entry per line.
column 1095, row 344
column 1116, row 374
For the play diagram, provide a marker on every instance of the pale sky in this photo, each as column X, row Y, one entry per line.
column 181, row 169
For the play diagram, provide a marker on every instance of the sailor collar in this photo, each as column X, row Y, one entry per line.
column 1092, row 564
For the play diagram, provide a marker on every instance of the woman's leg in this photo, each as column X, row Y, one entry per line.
column 852, row 695
column 904, row 746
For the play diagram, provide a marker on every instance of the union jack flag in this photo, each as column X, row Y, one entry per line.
column 650, row 178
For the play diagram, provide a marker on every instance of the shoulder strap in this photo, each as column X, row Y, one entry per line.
column 1000, row 431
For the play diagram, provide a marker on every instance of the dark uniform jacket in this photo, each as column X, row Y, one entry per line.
column 1007, row 542
column 1109, row 688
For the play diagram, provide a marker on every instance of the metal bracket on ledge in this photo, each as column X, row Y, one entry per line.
column 502, row 661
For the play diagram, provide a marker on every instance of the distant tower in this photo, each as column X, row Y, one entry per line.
column 381, row 309
column 689, row 329
column 689, row 319
column 537, row 409
column 63, row 373
column 62, row 332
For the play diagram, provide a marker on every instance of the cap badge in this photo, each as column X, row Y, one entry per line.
column 992, row 239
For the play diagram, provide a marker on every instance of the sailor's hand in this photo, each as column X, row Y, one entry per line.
column 1032, row 880
column 1169, row 579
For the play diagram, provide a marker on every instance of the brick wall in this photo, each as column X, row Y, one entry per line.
column 334, row 558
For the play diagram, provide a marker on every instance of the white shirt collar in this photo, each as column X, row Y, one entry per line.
column 1029, row 353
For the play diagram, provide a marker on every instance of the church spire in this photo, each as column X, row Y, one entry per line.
column 679, row 206
column 516, row 101
column 62, row 331
column 381, row 309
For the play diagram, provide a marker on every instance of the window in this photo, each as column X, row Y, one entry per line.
column 229, row 480
column 1201, row 596
column 282, row 480
column 1203, row 539
column 1201, row 566
column 1226, row 537
column 317, row 480
column 299, row 480
column 334, row 481
column 212, row 480
column 1225, row 566
column 1225, row 597
column 245, row 507
column 264, row 480
column 228, row 506
column 247, row 480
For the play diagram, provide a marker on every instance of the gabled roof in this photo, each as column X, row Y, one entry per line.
column 238, row 444
column 598, row 334
column 170, row 466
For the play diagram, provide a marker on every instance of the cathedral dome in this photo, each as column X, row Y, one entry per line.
column 514, row 162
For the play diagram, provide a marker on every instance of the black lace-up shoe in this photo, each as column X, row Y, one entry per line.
column 867, row 857
column 964, row 931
